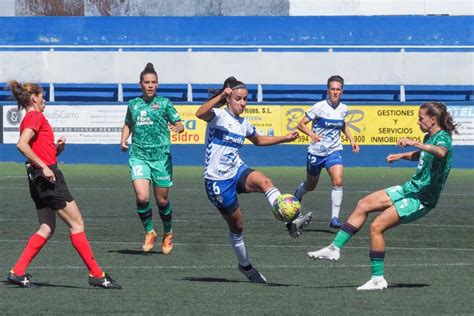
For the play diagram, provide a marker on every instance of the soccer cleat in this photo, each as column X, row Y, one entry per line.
column 167, row 244
column 335, row 223
column 296, row 226
column 21, row 280
column 105, row 282
column 375, row 283
column 253, row 275
column 330, row 252
column 150, row 238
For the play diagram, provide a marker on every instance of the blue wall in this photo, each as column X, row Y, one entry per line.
column 329, row 30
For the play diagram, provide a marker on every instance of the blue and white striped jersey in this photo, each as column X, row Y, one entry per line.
column 225, row 135
column 327, row 122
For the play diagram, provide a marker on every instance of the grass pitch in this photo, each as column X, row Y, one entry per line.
column 429, row 264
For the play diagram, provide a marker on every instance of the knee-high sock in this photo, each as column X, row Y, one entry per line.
column 33, row 247
column 238, row 244
column 166, row 217
column 272, row 195
column 344, row 234
column 376, row 262
column 301, row 190
column 146, row 215
column 81, row 244
column 336, row 200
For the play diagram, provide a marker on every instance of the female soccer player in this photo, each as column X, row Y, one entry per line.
column 404, row 203
column 325, row 150
column 149, row 120
column 225, row 173
column 48, row 189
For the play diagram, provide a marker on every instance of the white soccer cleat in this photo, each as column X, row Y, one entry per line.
column 375, row 283
column 296, row 226
column 330, row 252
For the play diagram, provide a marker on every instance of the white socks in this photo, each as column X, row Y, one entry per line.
column 272, row 195
column 336, row 200
column 238, row 244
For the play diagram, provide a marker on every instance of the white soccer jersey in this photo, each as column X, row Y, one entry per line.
column 327, row 122
column 225, row 135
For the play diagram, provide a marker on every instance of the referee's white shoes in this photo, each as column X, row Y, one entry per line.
column 330, row 252
column 375, row 283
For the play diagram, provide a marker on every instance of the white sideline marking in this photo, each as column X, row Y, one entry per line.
column 309, row 266
column 249, row 246
column 91, row 220
column 193, row 190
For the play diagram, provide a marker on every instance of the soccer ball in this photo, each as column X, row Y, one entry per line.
column 286, row 207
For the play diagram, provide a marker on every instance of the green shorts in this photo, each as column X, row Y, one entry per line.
column 408, row 206
column 159, row 172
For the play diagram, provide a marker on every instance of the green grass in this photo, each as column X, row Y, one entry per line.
column 429, row 263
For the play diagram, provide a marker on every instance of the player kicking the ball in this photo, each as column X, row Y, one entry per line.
column 404, row 203
column 225, row 173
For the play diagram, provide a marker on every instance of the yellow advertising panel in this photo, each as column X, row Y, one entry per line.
column 369, row 125
column 194, row 128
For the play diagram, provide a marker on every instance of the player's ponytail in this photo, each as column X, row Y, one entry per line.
column 149, row 69
column 440, row 112
column 230, row 82
column 22, row 92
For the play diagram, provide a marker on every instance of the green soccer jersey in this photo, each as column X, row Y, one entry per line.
column 432, row 172
column 149, row 126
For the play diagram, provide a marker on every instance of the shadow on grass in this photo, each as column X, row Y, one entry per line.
column 354, row 286
column 326, row 231
column 222, row 280
column 40, row 285
column 405, row 285
column 135, row 252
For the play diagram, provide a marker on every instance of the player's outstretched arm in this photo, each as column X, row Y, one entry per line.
column 260, row 140
column 205, row 111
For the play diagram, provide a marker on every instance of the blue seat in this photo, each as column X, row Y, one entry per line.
column 439, row 93
column 91, row 92
column 201, row 91
column 174, row 92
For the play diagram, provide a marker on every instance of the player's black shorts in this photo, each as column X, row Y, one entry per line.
column 46, row 194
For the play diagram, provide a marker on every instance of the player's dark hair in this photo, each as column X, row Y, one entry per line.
column 22, row 92
column 149, row 69
column 440, row 112
column 230, row 82
column 336, row 78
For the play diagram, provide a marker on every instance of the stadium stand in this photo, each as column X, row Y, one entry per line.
column 282, row 58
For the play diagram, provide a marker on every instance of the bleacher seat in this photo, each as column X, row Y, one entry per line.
column 174, row 92
column 201, row 91
column 91, row 92
column 439, row 93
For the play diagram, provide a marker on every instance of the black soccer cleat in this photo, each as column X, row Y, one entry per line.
column 105, row 282
column 21, row 280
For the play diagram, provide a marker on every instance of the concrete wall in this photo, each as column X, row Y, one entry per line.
column 233, row 7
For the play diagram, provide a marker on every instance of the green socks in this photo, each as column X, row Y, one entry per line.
column 146, row 215
column 166, row 217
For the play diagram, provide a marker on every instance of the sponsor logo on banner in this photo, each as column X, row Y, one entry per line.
column 369, row 125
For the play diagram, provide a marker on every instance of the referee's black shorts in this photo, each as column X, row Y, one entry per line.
column 47, row 194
